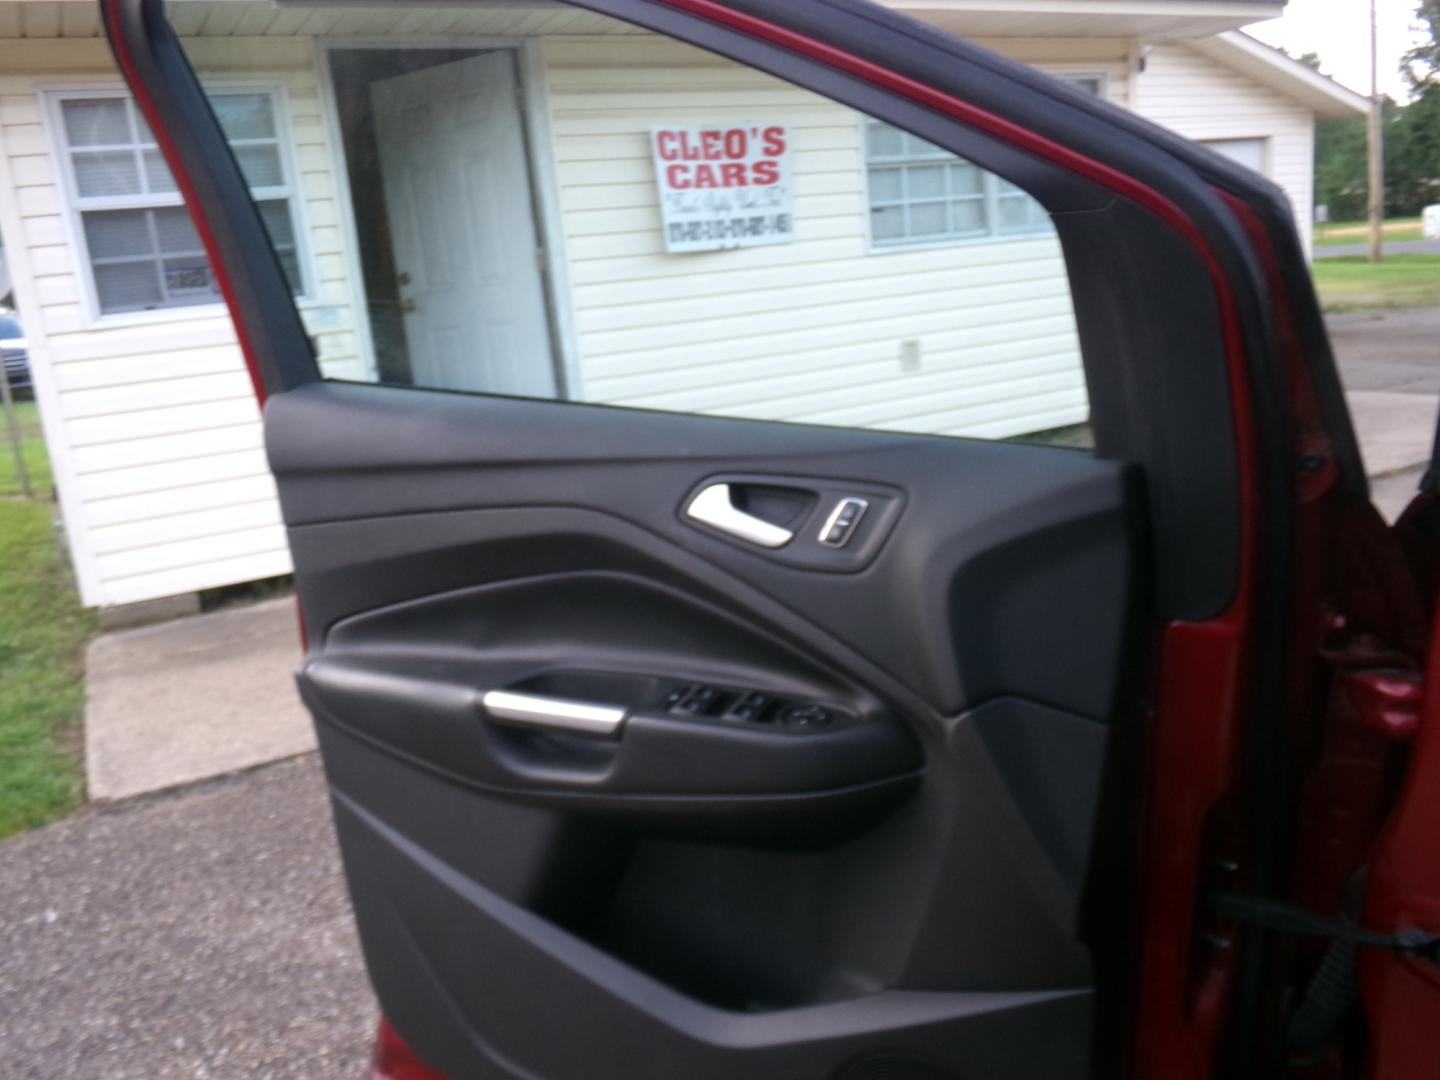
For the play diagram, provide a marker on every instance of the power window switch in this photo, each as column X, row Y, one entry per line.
column 699, row 700
column 806, row 718
column 750, row 708
column 840, row 526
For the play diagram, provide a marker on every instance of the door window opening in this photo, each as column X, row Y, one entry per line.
column 439, row 174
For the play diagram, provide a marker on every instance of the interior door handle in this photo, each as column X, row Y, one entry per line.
column 714, row 506
column 554, row 714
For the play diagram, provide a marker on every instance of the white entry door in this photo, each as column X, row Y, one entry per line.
column 457, row 189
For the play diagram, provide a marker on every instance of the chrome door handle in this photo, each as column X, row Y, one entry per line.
column 554, row 714
column 714, row 506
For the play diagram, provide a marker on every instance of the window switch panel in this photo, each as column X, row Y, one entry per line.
column 840, row 526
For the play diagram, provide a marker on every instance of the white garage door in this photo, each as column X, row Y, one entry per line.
column 1247, row 152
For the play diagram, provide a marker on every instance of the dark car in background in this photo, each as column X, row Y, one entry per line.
column 15, row 352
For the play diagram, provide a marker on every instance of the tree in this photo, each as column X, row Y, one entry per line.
column 1413, row 168
column 1420, row 64
column 1412, row 156
column 1340, row 181
column 1412, row 138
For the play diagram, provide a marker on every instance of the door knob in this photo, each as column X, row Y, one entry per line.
column 407, row 306
column 715, row 506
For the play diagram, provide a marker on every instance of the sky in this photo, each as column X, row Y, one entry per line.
column 1339, row 30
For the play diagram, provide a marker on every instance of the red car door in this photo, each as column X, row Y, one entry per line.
column 669, row 736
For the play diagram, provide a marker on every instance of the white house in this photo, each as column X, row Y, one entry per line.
column 148, row 412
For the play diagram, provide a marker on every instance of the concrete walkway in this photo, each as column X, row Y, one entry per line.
column 193, row 698
column 1390, row 364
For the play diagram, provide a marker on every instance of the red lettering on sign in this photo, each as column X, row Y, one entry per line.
column 727, row 158
column 665, row 145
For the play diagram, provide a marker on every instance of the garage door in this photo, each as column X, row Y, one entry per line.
column 1247, row 152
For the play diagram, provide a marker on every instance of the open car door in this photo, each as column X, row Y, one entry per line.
column 706, row 717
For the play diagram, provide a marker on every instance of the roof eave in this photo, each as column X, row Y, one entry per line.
column 1172, row 19
column 1324, row 96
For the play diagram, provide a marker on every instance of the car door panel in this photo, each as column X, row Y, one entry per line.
column 485, row 561
column 1065, row 523
column 633, row 1023
column 560, row 872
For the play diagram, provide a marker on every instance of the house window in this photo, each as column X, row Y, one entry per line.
column 143, row 251
column 1091, row 84
column 921, row 194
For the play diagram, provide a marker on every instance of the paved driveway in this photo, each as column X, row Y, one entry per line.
column 203, row 934
column 1393, row 350
column 1392, row 247
column 1390, row 364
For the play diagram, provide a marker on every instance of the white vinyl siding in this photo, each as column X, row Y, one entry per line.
column 150, row 416
column 141, row 246
column 814, row 331
column 1204, row 100
column 921, row 194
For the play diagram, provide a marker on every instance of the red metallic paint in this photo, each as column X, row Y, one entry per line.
column 394, row 1060
column 1402, row 994
column 1192, row 763
column 1378, row 701
column 1387, row 702
column 1303, row 720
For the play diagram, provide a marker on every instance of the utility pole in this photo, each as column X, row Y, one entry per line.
column 1375, row 147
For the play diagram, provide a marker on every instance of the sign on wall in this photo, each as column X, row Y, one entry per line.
column 724, row 187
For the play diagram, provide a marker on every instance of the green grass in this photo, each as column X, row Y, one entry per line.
column 1353, row 283
column 1412, row 232
column 1358, row 232
column 37, row 462
column 43, row 630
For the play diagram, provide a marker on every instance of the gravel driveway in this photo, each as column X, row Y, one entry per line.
column 1388, row 349
column 199, row 934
